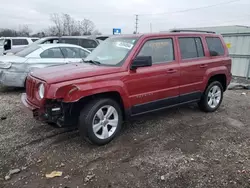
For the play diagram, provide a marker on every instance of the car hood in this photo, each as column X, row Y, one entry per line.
column 12, row 59
column 56, row 74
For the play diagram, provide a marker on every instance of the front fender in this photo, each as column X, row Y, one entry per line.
column 75, row 92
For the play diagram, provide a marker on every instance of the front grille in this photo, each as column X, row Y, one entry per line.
column 30, row 87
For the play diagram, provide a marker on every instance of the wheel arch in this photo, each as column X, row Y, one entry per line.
column 220, row 78
column 78, row 105
column 216, row 74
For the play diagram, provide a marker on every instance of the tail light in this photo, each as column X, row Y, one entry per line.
column 5, row 65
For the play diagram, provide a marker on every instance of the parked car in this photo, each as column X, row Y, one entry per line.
column 45, row 40
column 7, row 44
column 14, row 68
column 126, row 76
column 83, row 41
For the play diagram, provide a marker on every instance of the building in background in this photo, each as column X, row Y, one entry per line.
column 222, row 29
column 237, row 38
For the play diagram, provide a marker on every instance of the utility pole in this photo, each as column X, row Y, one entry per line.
column 136, row 23
column 150, row 27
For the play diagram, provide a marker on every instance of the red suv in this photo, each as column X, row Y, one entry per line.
column 126, row 76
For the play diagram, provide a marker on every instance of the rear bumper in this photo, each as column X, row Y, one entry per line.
column 229, row 78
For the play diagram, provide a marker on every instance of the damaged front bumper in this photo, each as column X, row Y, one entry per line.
column 27, row 106
column 52, row 113
column 12, row 79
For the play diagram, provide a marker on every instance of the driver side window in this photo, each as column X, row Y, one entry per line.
column 161, row 50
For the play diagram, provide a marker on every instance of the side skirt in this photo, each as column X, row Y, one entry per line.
column 164, row 103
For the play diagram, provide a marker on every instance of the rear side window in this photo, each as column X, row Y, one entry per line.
column 52, row 41
column 215, row 44
column 102, row 38
column 19, row 42
column 88, row 43
column 33, row 40
column 191, row 47
column 52, row 53
column 161, row 50
column 69, row 41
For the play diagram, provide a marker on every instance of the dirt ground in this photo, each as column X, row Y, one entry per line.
column 180, row 147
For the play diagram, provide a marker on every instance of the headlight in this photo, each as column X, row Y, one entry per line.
column 41, row 91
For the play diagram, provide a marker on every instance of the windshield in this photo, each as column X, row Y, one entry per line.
column 27, row 51
column 112, row 51
column 39, row 41
column 1, row 42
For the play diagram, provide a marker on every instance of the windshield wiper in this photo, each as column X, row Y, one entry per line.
column 92, row 62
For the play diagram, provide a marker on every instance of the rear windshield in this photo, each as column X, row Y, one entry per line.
column 27, row 51
column 85, row 43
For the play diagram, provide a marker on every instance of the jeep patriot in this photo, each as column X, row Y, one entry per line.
column 130, row 75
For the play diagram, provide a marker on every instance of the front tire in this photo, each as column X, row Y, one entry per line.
column 212, row 97
column 100, row 121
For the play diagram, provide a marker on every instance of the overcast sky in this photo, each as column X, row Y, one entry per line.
column 110, row 14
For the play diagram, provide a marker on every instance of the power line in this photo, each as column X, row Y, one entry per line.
column 159, row 21
column 192, row 9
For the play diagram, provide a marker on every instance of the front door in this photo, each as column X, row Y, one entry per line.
column 155, row 87
column 74, row 54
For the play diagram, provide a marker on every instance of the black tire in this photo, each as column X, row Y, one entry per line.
column 203, row 103
column 86, row 118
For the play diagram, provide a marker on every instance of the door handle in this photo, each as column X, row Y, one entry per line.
column 170, row 71
column 203, row 66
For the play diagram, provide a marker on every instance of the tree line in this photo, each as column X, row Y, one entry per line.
column 62, row 25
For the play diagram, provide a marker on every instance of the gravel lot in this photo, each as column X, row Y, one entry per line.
column 180, row 147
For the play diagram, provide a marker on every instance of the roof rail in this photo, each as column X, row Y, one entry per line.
column 189, row 30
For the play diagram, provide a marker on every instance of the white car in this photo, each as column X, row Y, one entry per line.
column 9, row 44
column 15, row 68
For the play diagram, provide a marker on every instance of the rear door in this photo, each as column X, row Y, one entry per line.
column 193, row 65
column 155, row 87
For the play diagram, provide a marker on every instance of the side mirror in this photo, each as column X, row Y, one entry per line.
column 141, row 61
column 213, row 53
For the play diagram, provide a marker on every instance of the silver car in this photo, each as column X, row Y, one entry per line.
column 15, row 68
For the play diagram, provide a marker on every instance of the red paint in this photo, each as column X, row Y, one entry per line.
column 75, row 81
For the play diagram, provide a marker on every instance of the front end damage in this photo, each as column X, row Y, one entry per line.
column 60, row 113
column 53, row 111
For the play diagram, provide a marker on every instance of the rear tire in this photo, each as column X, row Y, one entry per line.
column 100, row 121
column 212, row 97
